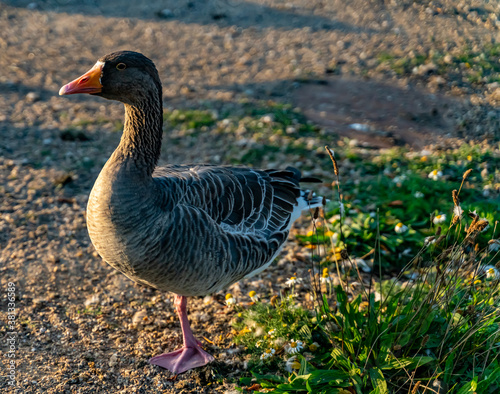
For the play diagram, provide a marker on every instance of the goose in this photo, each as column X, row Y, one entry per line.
column 187, row 229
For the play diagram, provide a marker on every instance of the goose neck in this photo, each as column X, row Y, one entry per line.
column 142, row 135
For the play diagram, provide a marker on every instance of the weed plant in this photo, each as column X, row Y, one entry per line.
column 433, row 328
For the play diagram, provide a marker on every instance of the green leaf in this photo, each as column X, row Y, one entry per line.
column 246, row 381
column 492, row 378
column 448, row 367
column 378, row 381
column 271, row 378
column 408, row 362
column 469, row 387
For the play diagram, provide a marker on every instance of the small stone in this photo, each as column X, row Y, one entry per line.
column 495, row 95
column 437, row 80
column 267, row 118
column 138, row 318
column 94, row 299
column 425, row 69
column 360, row 127
column 47, row 141
column 31, row 97
column 165, row 13
column 113, row 360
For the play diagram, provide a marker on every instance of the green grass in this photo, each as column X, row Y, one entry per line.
column 435, row 324
column 189, row 119
column 476, row 66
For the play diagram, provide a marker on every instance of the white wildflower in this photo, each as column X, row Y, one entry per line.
column 491, row 272
column 293, row 281
column 230, row 300
column 325, row 277
column 418, row 194
column 253, row 296
column 294, row 347
column 429, row 240
column 458, row 211
column 435, row 175
column 399, row 178
column 267, row 353
column 292, row 363
column 494, row 245
column 271, row 333
column 439, row 218
column 400, row 228
column 363, row 265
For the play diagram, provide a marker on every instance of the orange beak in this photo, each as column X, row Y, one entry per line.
column 90, row 82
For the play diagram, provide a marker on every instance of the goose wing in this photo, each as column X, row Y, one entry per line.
column 222, row 224
column 239, row 199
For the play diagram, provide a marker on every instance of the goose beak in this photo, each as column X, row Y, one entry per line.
column 90, row 82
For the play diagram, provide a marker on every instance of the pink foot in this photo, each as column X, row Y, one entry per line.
column 191, row 355
column 183, row 359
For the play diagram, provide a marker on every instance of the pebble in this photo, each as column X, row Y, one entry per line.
column 31, row 97
column 360, row 127
column 425, row 69
column 166, row 13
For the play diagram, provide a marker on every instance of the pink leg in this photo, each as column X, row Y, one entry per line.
column 191, row 355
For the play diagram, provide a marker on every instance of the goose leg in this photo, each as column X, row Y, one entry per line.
column 191, row 355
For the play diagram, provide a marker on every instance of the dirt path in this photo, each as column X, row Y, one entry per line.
column 81, row 327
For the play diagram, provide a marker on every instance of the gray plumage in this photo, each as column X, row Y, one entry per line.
column 191, row 230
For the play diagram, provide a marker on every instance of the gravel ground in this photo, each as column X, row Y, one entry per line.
column 80, row 326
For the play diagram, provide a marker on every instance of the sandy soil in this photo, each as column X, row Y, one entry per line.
column 80, row 326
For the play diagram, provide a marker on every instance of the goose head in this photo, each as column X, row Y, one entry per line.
column 125, row 76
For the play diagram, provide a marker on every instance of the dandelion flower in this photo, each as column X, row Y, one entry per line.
column 294, row 347
column 314, row 346
column 267, row 353
column 439, row 218
column 292, row 363
column 230, row 299
column 418, row 194
column 435, row 175
column 400, row 228
column 491, row 272
column 253, row 296
column 494, row 245
column 293, row 281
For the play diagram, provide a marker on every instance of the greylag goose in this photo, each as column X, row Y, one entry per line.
column 188, row 229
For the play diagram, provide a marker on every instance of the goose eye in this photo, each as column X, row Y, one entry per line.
column 121, row 66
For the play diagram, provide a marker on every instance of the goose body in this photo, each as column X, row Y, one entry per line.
column 188, row 229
